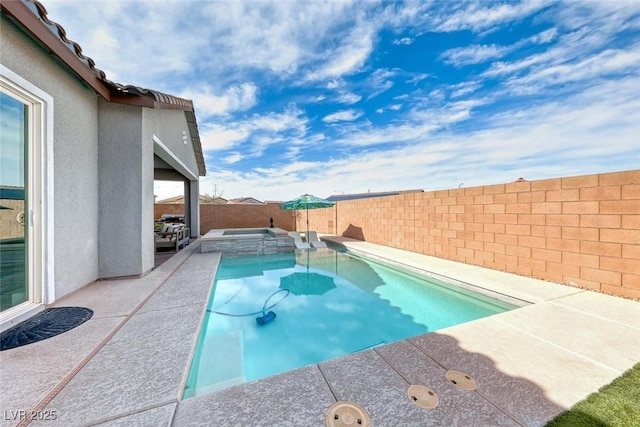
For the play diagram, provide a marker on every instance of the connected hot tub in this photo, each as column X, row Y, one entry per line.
column 247, row 241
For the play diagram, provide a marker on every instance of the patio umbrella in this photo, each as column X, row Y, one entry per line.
column 305, row 283
column 306, row 201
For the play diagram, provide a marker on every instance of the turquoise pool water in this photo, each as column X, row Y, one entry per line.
column 327, row 303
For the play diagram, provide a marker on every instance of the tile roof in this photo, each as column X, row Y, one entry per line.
column 39, row 10
column 85, row 68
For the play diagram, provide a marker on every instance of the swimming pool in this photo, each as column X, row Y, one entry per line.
column 274, row 313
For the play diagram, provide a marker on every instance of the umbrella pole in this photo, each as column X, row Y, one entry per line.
column 306, row 236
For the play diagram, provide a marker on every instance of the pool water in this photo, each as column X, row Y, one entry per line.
column 327, row 303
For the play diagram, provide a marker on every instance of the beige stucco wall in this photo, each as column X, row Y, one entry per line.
column 75, row 157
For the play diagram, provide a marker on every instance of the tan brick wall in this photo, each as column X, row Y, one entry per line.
column 214, row 216
column 582, row 230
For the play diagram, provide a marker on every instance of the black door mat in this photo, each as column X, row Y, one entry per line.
column 47, row 324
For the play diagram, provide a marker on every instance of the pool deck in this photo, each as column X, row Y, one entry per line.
column 127, row 365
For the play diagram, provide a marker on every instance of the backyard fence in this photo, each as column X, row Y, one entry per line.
column 214, row 216
column 583, row 231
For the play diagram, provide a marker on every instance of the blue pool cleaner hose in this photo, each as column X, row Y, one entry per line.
column 267, row 316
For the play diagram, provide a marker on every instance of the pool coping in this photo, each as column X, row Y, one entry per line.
column 127, row 366
column 218, row 233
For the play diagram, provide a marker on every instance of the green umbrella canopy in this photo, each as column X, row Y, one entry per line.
column 306, row 201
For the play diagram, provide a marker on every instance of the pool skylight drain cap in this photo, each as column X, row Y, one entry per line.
column 423, row 396
column 461, row 380
column 343, row 414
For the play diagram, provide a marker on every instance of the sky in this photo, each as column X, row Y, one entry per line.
column 333, row 97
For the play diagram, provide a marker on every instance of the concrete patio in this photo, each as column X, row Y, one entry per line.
column 127, row 365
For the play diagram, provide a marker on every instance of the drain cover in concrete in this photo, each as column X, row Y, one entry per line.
column 423, row 396
column 344, row 413
column 461, row 380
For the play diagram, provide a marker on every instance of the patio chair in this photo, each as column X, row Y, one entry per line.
column 313, row 239
column 172, row 236
column 297, row 239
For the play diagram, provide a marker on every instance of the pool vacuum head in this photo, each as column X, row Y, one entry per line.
column 265, row 318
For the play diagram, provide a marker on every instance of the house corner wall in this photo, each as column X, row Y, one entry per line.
column 192, row 189
column 123, row 184
column 171, row 129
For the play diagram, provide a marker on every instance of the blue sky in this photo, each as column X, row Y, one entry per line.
column 331, row 97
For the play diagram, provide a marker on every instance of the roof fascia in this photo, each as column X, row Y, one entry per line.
column 38, row 30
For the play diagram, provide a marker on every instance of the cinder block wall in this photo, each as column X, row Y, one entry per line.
column 582, row 230
column 214, row 216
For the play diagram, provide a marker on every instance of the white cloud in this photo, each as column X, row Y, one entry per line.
column 443, row 136
column 349, row 98
column 221, row 137
column 417, row 78
column 611, row 61
column 544, row 37
column 482, row 15
column 404, row 41
column 473, row 54
column 350, row 55
column 476, row 54
column 380, row 81
column 261, row 129
column 342, row 116
column 551, row 140
column 235, row 98
column 464, row 88
column 233, row 158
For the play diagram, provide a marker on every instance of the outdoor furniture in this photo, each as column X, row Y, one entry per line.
column 168, row 235
column 297, row 239
column 312, row 238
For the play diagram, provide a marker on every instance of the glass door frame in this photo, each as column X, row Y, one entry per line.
column 38, row 215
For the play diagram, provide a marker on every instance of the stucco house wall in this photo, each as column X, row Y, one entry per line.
column 121, row 177
column 168, row 126
column 171, row 129
column 99, row 148
column 75, row 157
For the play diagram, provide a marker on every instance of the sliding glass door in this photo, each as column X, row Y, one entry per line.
column 14, row 250
column 22, row 134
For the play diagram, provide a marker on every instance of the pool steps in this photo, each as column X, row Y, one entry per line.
column 225, row 368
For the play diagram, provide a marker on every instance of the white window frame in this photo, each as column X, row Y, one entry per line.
column 39, row 191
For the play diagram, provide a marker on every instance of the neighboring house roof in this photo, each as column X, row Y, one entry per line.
column 171, row 200
column 32, row 16
column 180, row 199
column 206, row 200
column 343, row 197
column 245, row 200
